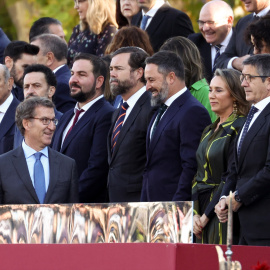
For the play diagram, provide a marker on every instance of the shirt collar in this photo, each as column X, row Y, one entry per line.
column 169, row 101
column 262, row 13
column 28, row 151
column 88, row 105
column 4, row 107
column 54, row 71
column 262, row 104
column 134, row 98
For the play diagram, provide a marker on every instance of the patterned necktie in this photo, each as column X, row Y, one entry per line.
column 161, row 111
column 77, row 113
column 119, row 124
column 144, row 21
column 39, row 178
column 251, row 113
column 217, row 47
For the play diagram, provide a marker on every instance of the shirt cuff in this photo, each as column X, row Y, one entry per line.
column 230, row 63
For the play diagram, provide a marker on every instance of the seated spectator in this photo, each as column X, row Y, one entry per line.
column 215, row 152
column 257, row 34
column 125, row 10
column 191, row 58
column 130, row 36
column 96, row 29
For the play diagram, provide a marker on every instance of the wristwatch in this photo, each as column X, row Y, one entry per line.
column 236, row 196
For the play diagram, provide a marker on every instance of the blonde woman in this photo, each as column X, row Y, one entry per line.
column 96, row 29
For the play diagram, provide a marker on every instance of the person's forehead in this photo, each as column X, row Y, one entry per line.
column 34, row 77
column 120, row 59
column 82, row 65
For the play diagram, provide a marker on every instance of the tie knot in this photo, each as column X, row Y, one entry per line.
column 217, row 47
column 253, row 110
column 125, row 106
column 38, row 155
column 78, row 111
column 163, row 107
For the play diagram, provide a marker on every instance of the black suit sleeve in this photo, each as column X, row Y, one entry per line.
column 74, row 188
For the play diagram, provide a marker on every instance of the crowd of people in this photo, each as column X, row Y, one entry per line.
column 138, row 107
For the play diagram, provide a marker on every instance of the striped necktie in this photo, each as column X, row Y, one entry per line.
column 119, row 124
column 217, row 47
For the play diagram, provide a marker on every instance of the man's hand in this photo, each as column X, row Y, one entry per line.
column 222, row 211
column 197, row 226
column 237, row 63
column 235, row 205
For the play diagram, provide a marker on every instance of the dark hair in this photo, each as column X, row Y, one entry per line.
column 15, row 49
column 190, row 56
column 107, row 91
column 136, row 59
column 48, row 73
column 41, row 26
column 231, row 79
column 168, row 62
column 26, row 110
column 54, row 44
column 99, row 67
column 120, row 18
column 130, row 36
column 261, row 62
column 260, row 31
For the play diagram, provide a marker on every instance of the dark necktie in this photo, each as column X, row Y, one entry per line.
column 161, row 111
column 144, row 21
column 77, row 113
column 251, row 113
column 217, row 47
column 39, row 178
column 119, row 124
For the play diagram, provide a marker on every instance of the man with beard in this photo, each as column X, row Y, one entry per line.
column 127, row 136
column 38, row 81
column 174, row 132
column 18, row 56
column 82, row 132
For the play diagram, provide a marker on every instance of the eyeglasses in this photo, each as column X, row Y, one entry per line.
column 46, row 121
column 78, row 2
column 209, row 23
column 248, row 77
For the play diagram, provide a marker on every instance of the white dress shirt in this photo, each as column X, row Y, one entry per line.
column 4, row 106
column 29, row 154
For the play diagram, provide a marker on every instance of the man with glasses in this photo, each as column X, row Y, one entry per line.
column 33, row 173
column 215, row 23
column 249, row 174
column 38, row 81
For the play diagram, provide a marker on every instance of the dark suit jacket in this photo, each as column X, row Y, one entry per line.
column 4, row 41
column 7, row 128
column 167, row 22
column 171, row 153
column 129, row 157
column 249, row 174
column 237, row 45
column 17, row 92
column 62, row 99
column 18, row 137
column 86, row 143
column 16, row 186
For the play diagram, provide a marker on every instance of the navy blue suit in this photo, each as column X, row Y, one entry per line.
column 17, row 92
column 18, row 137
column 62, row 99
column 87, row 144
column 7, row 128
column 171, row 153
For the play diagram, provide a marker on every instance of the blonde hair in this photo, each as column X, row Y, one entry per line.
column 99, row 14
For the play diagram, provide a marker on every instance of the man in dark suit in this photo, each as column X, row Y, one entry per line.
column 18, row 56
column 53, row 54
column 238, row 50
column 161, row 21
column 82, row 132
column 33, row 173
column 8, row 105
column 127, row 150
column 215, row 23
column 174, row 132
column 249, row 174
column 38, row 81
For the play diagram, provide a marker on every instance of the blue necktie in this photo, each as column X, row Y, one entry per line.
column 39, row 178
column 144, row 21
column 161, row 111
column 251, row 113
column 217, row 47
column 119, row 124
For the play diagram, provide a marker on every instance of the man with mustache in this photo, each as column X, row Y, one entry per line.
column 82, row 132
column 33, row 173
column 174, row 132
column 18, row 56
column 38, row 81
column 127, row 141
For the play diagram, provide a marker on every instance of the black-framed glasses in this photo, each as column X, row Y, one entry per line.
column 202, row 23
column 248, row 77
column 46, row 121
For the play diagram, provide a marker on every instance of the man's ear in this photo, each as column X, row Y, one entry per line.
column 10, row 83
column 51, row 91
column 99, row 82
column 50, row 59
column 26, row 124
column 9, row 62
column 139, row 73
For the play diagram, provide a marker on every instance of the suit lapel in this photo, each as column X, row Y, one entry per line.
column 54, row 171
column 21, row 168
column 9, row 118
